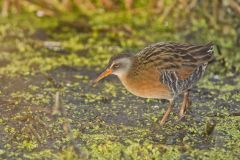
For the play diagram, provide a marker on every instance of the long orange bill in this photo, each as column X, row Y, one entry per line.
column 106, row 73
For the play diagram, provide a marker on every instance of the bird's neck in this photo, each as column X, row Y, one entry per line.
column 122, row 77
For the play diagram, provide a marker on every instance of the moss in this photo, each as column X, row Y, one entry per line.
column 212, row 154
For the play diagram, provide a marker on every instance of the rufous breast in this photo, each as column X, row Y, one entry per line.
column 146, row 83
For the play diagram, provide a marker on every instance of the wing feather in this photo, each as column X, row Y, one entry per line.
column 180, row 58
column 174, row 56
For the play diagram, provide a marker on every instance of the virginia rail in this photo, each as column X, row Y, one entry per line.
column 162, row 70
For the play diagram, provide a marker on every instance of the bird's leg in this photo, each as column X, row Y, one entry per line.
column 166, row 114
column 186, row 103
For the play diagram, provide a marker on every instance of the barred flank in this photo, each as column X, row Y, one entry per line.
column 172, row 58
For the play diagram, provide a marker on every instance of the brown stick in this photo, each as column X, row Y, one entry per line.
column 234, row 6
column 5, row 8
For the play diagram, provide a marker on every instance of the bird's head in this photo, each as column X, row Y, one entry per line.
column 118, row 65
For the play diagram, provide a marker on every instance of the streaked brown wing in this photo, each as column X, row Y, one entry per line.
column 182, row 58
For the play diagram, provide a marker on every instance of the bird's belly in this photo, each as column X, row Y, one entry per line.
column 148, row 89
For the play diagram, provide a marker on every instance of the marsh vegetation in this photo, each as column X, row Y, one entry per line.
column 50, row 53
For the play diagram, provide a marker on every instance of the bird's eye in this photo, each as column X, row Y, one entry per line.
column 115, row 66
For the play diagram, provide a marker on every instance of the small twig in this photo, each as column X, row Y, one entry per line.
column 33, row 131
column 57, row 107
column 59, row 110
column 210, row 126
column 41, row 121
column 235, row 114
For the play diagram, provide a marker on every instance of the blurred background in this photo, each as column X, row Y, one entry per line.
column 125, row 24
column 51, row 49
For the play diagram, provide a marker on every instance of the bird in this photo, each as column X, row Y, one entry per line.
column 162, row 70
